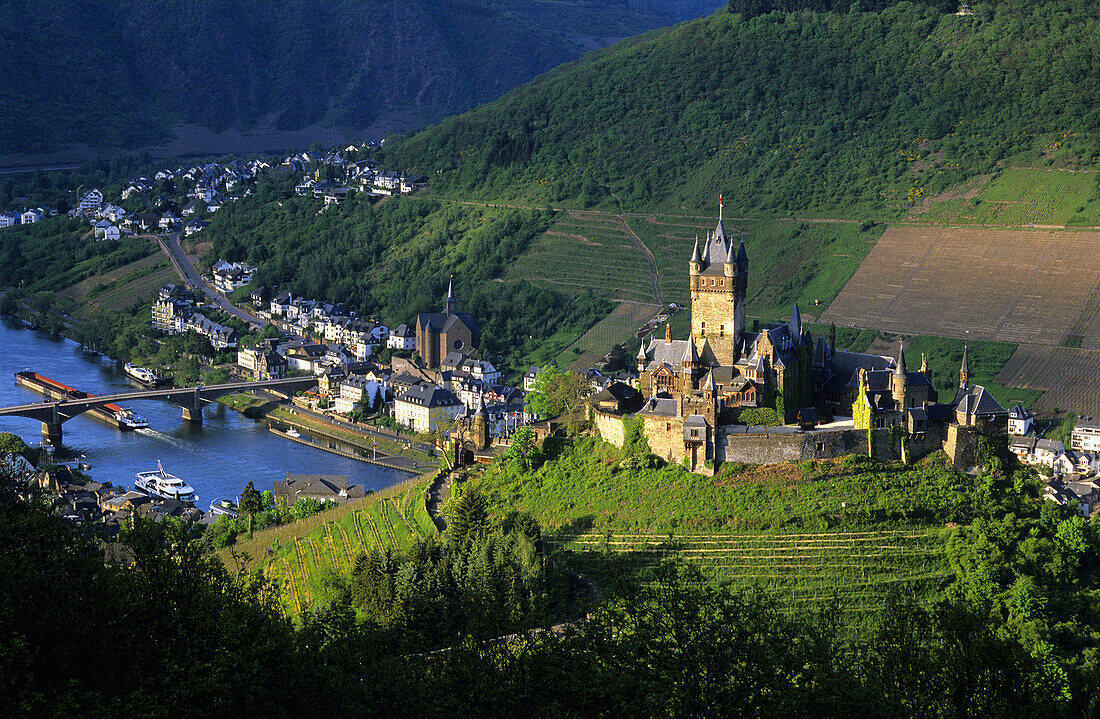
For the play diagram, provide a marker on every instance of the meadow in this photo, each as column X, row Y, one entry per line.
column 1020, row 196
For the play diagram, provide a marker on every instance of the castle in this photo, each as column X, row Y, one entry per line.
column 692, row 391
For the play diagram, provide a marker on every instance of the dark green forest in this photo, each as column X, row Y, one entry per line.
column 842, row 114
column 131, row 70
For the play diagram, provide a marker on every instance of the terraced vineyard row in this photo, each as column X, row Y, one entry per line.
column 858, row 568
column 391, row 520
column 584, row 251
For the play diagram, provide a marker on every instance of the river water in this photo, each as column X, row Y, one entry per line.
column 217, row 457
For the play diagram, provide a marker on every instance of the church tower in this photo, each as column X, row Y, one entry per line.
column 718, row 275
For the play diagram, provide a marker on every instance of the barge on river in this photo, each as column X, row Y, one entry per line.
column 120, row 417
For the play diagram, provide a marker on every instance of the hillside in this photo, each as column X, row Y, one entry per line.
column 850, row 115
column 238, row 77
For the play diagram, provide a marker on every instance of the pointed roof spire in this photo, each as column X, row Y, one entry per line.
column 690, row 354
column 481, row 411
column 452, row 302
column 709, row 384
column 795, row 325
column 641, row 352
column 966, row 360
column 695, row 256
column 899, row 371
column 742, row 256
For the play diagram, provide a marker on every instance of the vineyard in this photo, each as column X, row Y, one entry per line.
column 856, row 567
column 618, row 327
column 1070, row 377
column 1020, row 196
column 583, row 252
column 789, row 261
column 301, row 557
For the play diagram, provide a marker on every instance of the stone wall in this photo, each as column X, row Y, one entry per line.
column 665, row 436
column 756, row 447
column 610, row 427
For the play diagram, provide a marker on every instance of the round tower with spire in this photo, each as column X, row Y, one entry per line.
column 899, row 379
column 964, row 370
column 718, row 280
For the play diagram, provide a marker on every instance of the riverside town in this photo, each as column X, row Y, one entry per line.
column 661, row 358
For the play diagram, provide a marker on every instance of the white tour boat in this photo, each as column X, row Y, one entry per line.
column 145, row 376
column 161, row 484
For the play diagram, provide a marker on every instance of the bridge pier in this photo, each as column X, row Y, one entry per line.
column 51, row 432
column 193, row 413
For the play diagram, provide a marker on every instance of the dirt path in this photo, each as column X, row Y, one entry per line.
column 650, row 259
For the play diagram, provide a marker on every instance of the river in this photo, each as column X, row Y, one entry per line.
column 216, row 457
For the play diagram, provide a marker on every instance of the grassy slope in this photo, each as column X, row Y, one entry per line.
column 301, row 557
column 802, row 531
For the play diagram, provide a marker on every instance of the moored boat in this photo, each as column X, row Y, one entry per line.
column 161, row 484
column 292, row 433
column 142, row 375
column 224, row 506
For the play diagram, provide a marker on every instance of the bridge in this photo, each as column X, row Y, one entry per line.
column 52, row 413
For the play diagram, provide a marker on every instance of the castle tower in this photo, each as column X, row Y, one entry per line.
column 452, row 301
column 964, row 370
column 898, row 379
column 642, row 361
column 481, row 424
column 718, row 281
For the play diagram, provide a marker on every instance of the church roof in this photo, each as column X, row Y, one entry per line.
column 977, row 400
column 443, row 321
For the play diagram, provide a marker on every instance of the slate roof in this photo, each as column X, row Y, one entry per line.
column 976, row 400
column 429, row 396
column 669, row 353
column 659, row 407
column 444, row 321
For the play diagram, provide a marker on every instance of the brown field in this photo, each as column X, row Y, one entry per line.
column 1005, row 285
column 1070, row 377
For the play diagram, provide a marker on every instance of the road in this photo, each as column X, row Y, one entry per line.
column 170, row 245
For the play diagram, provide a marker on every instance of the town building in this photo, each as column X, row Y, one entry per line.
column 424, row 407
column 1020, row 421
column 230, row 276
column 440, row 333
column 1086, row 436
column 321, row 487
column 402, row 338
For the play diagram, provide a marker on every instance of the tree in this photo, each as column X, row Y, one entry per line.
column 557, row 393
column 469, row 517
column 251, row 500
column 524, row 453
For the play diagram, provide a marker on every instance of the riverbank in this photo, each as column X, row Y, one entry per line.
column 261, row 407
column 380, row 458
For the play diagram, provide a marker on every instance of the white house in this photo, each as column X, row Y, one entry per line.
column 31, row 216
column 423, row 407
column 112, row 232
column 229, row 276
column 402, row 338
column 9, row 219
column 91, row 201
column 352, row 390
column 1020, row 420
column 1086, row 436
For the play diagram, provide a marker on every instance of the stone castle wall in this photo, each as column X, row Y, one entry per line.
column 610, row 427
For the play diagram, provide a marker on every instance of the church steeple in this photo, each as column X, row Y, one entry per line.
column 452, row 302
column 964, row 370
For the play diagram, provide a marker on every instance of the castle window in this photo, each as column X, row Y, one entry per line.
column 712, row 282
column 702, row 328
column 668, row 426
column 694, row 434
column 721, row 283
column 721, row 330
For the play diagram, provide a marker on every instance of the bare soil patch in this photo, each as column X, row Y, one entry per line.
column 1005, row 285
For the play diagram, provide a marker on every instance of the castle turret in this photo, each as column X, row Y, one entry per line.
column 642, row 360
column 481, row 423
column 689, row 366
column 964, row 370
column 696, row 263
column 899, row 379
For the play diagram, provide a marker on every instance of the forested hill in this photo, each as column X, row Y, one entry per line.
column 817, row 112
column 120, row 74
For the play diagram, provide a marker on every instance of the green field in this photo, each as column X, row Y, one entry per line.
column 302, row 557
column 1022, row 196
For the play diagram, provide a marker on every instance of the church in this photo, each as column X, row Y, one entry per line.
column 693, row 390
column 441, row 333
